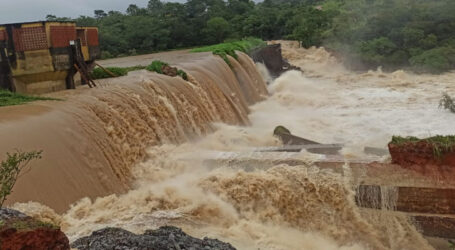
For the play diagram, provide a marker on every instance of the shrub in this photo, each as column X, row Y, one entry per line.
column 434, row 60
column 229, row 48
column 106, row 55
column 156, row 66
column 447, row 102
column 11, row 168
column 182, row 74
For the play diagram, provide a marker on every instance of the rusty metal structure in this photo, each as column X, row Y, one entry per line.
column 42, row 57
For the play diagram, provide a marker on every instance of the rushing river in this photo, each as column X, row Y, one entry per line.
column 283, row 207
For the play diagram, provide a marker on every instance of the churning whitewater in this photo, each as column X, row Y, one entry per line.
column 282, row 207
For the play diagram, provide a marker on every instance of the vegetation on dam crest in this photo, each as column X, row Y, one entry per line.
column 229, row 48
column 8, row 98
column 156, row 66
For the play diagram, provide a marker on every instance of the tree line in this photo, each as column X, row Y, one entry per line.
column 412, row 34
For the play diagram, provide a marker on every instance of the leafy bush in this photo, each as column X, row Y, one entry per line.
column 156, row 66
column 182, row 74
column 229, row 48
column 106, row 55
column 11, row 168
column 447, row 102
column 8, row 98
column 436, row 60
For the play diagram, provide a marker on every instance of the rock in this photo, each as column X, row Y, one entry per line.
column 167, row 237
column 168, row 70
column 273, row 60
column 19, row 231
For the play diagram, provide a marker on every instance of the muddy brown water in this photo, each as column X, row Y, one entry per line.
column 155, row 134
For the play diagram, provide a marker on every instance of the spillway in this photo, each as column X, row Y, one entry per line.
column 92, row 138
column 158, row 137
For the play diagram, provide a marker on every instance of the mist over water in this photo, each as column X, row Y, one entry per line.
column 283, row 207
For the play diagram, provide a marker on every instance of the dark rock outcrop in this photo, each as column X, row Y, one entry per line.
column 164, row 238
column 19, row 231
column 273, row 60
column 168, row 70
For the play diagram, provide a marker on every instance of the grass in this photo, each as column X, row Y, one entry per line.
column 155, row 66
column 229, row 48
column 441, row 144
column 447, row 102
column 99, row 73
column 8, row 98
column 26, row 225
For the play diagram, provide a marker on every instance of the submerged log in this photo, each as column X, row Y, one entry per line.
column 300, row 143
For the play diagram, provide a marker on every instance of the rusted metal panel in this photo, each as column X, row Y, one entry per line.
column 3, row 35
column 407, row 199
column 92, row 37
column 62, row 35
column 81, row 34
column 30, row 38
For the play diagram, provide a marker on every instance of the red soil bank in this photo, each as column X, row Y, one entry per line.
column 18, row 231
column 420, row 156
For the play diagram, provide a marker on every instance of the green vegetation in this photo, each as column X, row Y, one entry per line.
column 412, row 34
column 441, row 144
column 229, row 48
column 182, row 74
column 447, row 102
column 451, row 245
column 157, row 66
column 11, row 168
column 27, row 225
column 8, row 98
column 99, row 73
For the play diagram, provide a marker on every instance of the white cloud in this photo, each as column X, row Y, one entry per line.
column 13, row 11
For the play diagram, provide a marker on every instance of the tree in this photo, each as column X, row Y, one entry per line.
column 99, row 14
column 134, row 10
column 217, row 29
column 11, row 168
column 155, row 7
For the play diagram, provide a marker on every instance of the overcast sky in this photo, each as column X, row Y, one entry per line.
column 13, row 11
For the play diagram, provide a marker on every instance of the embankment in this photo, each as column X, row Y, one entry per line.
column 93, row 138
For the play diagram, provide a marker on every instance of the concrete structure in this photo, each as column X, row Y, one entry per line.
column 37, row 57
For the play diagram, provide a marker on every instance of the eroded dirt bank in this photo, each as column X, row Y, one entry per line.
column 93, row 138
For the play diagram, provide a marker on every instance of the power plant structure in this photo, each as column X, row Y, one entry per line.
column 42, row 57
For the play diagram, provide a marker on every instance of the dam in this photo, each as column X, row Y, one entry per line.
column 147, row 150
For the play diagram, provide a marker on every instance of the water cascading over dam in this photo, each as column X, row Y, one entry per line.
column 91, row 140
column 279, row 207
